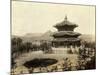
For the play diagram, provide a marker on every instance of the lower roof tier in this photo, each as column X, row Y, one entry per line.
column 65, row 33
column 66, row 39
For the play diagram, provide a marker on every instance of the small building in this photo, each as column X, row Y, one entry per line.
column 65, row 36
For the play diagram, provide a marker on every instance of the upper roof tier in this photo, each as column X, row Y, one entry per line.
column 65, row 22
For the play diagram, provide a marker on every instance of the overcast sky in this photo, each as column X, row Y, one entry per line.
column 31, row 17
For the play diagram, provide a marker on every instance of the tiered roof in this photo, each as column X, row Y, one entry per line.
column 62, row 33
column 65, row 22
column 66, row 34
column 66, row 39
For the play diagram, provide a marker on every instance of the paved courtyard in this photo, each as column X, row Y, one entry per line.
column 40, row 55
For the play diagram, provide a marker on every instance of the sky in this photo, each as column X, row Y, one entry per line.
column 33, row 17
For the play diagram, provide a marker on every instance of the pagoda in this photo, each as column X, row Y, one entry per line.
column 65, row 36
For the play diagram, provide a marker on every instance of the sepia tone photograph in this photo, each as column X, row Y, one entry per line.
column 52, row 37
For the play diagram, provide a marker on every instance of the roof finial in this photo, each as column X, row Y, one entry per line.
column 66, row 18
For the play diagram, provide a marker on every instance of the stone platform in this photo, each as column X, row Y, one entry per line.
column 64, row 50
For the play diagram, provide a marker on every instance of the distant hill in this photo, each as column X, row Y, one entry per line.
column 87, row 37
column 30, row 37
column 47, row 36
column 14, row 36
column 33, row 34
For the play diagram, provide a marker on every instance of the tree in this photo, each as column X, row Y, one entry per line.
column 16, row 43
column 45, row 47
column 15, row 46
column 28, row 46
